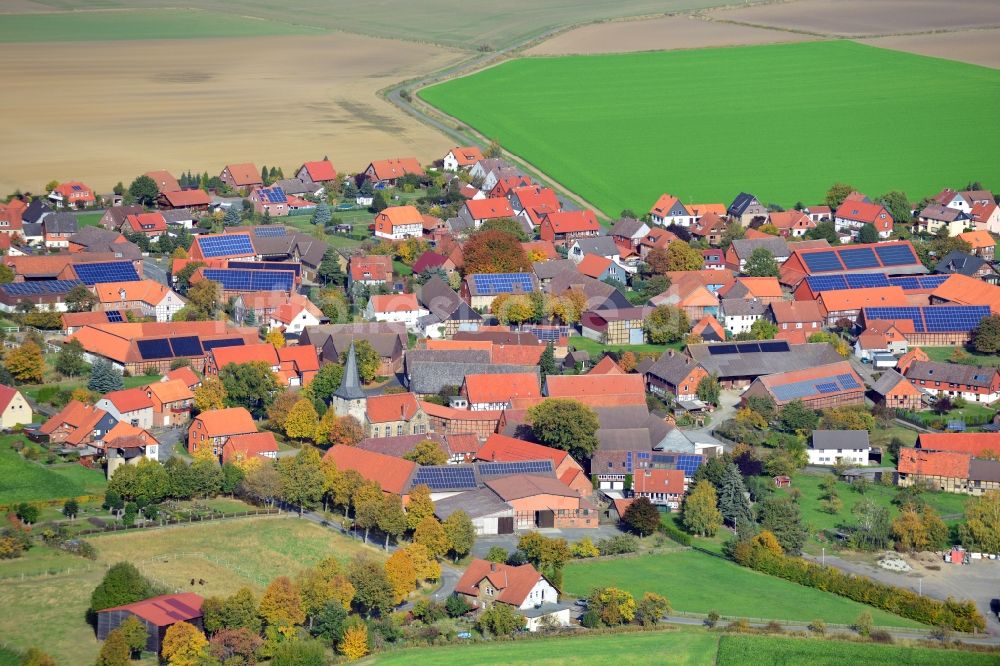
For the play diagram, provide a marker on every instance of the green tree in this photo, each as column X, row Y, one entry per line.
column 565, row 424
column 368, row 360
column 547, row 362
column 986, row 337
column 981, row 529
column 427, row 452
column 762, row 329
column 500, row 620
column 105, row 377
column 873, row 529
column 651, row 609
column 322, row 215
column 642, row 517
column 683, row 257
column 378, row 202
column 203, row 298
column 302, row 479
column 301, row 421
column 781, row 517
column 329, row 271
column 299, row 652
column 836, row 195
column 115, row 651
column 233, row 216
column 122, row 584
column 143, row 189
column 135, row 634
column 505, row 224
column 330, row 622
column 7, row 274
column 666, row 324
column 868, row 234
column 825, row 230
column 71, row 508
column 367, row 502
column 701, row 514
column 373, row 591
column 796, row 417
column 391, row 519
column 323, row 384
column 898, row 205
column 709, row 390
column 70, row 361
column 733, row 503
column 461, row 533
column 250, row 385
column 761, row 263
column 80, row 299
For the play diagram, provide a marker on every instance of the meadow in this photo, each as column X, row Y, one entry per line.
column 699, row 583
column 770, row 650
column 27, row 481
column 781, row 121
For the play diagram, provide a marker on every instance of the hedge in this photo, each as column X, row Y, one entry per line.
column 674, row 533
column 951, row 614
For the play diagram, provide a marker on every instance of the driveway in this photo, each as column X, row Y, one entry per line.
column 728, row 404
column 153, row 271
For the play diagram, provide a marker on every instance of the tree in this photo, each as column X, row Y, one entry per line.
column 281, row 605
column 733, row 503
column 507, row 225
column 919, row 529
column 302, row 479
column 80, row 299
column 368, row 360
column 986, row 336
column 762, row 329
column 425, row 566
column 782, row 518
column 761, row 263
column 330, row 622
column 203, row 298
column 427, row 452
column 500, row 620
column 651, row 609
column 240, row 611
column 367, row 502
column 373, row 592
column 612, row 605
column 461, row 533
column 701, row 514
column 683, row 257
column 836, row 195
column 709, row 390
column 430, row 534
column 796, row 417
column 105, row 378
column 235, row 646
column 569, row 306
column 115, row 651
column 71, row 508
column 70, row 361
column 642, row 517
column 868, row 234
column 419, row 507
column 144, row 190
column 210, row 395
column 275, row 338
column 873, row 529
column 322, row 215
column 184, row 645
column 666, row 324
column 324, row 584
column 7, row 274
column 565, row 424
column 135, row 634
column 26, row 363
column 399, row 570
column 122, row 584
column 301, row 421
column 391, row 519
column 981, row 530
column 898, row 205
column 252, row 385
column 942, row 405
column 323, row 384
column 233, row 215
column 354, row 645
column 494, row 252
column 378, row 202
column 513, row 308
column 277, row 412
column 493, row 150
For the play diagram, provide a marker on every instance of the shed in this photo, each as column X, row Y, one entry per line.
column 157, row 614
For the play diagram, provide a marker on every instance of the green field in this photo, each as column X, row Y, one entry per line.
column 674, row 647
column 88, row 219
column 772, row 650
column 943, row 355
column 698, row 583
column 136, row 24
column 26, row 481
column 783, row 122
column 597, row 349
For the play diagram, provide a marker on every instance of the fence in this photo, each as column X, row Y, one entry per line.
column 178, row 521
column 829, row 626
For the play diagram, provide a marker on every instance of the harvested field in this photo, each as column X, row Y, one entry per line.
column 198, row 104
column 979, row 47
column 855, row 18
column 669, row 33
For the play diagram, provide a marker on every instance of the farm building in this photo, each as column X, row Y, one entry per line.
column 832, row 385
column 933, row 325
column 675, row 374
column 973, row 383
column 895, row 391
column 157, row 614
column 894, row 258
column 490, row 515
column 616, row 326
column 737, row 364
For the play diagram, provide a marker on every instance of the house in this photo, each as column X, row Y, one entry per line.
column 184, row 374
column 147, row 297
column 883, row 338
column 402, row 308
column 946, row 471
column 476, row 211
column 981, row 243
column 970, row 382
column 964, row 200
column 114, row 216
column 804, row 316
column 690, row 295
column 598, row 390
column 490, row 515
column 675, row 374
column 234, row 245
column 485, row 583
column 172, row 401
column 251, row 445
column 320, row 172
column 497, row 391
column 668, row 210
column 214, row 427
column 709, row 329
column 966, row 264
column 272, row 201
column 370, row 270
column 602, row 246
column 986, row 217
column 629, row 232
column 14, row 409
column 389, row 172
column 294, row 316
column 502, row 186
column 462, row 157
column 710, row 228
column 615, row 326
column 792, row 223
column 958, row 289
column 72, row 194
column 738, row 315
column 126, row 444
column 10, row 217
column 391, row 473
column 90, row 240
column 713, row 259
column 540, row 501
column 853, row 214
column 220, row 357
column 977, row 444
column 935, row 217
column 156, row 614
column 602, row 268
column 833, row 385
column 894, row 391
column 152, row 225
column 746, row 210
column 662, row 487
column 533, row 202
column 57, row 229
column 132, row 406
column 165, row 182
column 479, row 289
column 333, row 341
column 297, row 364
column 818, row 213
column 741, row 249
column 565, row 226
column 828, row 447
column 194, row 200
column 764, row 289
column 933, row 325
column 398, row 223
column 838, row 304
column 78, row 425
column 655, row 238
column 449, row 314
column 243, row 177
column 500, row 448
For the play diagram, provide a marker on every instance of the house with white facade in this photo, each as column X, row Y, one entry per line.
column 148, row 297
column 738, row 314
column 399, row 223
column 486, row 583
column 395, row 308
column 668, row 210
column 828, row 446
column 462, row 157
column 132, row 406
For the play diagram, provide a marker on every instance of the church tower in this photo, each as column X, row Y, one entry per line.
column 350, row 399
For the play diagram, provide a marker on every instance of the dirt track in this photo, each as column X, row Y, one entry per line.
column 660, row 34
column 979, row 47
column 103, row 112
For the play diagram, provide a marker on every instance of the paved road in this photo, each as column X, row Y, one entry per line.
column 728, row 404
column 152, row 271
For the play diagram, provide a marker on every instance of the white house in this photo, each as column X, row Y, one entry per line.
column 668, row 210
column 149, row 297
column 293, row 317
column 14, row 409
column 964, row 200
column 829, row 446
column 738, row 315
column 399, row 223
column 132, row 406
column 461, row 157
column 395, row 308
column 486, row 583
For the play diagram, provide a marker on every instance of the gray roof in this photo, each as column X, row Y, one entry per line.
column 319, row 334
column 942, row 213
column 29, row 230
column 428, row 377
column 476, row 503
column 959, row 262
column 953, row 373
column 446, row 355
column 60, row 223
column 119, row 213
column 776, row 246
column 297, row 186
column 888, row 381
column 839, row 439
column 740, row 307
column 350, row 383
column 438, row 297
column 672, row 367
column 600, row 295
column 388, row 345
column 742, row 201
column 178, row 215
column 621, row 417
column 603, row 246
column 624, row 439
column 627, row 227
column 755, row 364
column 37, row 209
column 546, row 270
column 982, row 469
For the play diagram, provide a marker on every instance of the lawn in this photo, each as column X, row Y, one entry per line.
column 944, row 355
column 217, row 552
column 619, row 130
column 26, row 481
column 666, row 647
column 699, row 583
column 754, row 650
column 139, row 24
column 88, row 219
column 597, row 349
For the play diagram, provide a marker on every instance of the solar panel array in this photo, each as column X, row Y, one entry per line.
column 40, row 288
column 446, row 477
column 241, row 280
column 76, row 188
column 822, row 261
column 266, row 266
column 859, row 258
column 183, row 346
column 151, row 350
column 687, row 463
column 209, row 345
column 106, row 271
column 115, row 316
column 748, row 348
column 517, row 467
column 811, row 387
column 821, row 283
column 269, row 232
column 225, row 245
column 547, row 333
column 502, row 283
column 934, row 319
column 919, row 281
column 273, row 195
column 896, row 255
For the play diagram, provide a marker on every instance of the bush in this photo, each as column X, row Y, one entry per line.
column 584, row 548
column 618, row 545
column 712, row 618
column 672, row 532
column 817, row 627
column 740, row 626
column 880, row 636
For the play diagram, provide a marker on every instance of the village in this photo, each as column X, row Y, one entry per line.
column 486, row 380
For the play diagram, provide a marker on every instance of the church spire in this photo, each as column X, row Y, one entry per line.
column 350, row 383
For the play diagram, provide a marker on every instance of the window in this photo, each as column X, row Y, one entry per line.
column 399, row 429
column 375, row 431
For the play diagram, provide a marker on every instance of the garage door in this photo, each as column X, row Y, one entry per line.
column 545, row 518
column 635, row 336
column 505, row 525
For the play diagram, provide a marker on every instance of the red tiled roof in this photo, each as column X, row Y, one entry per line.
column 229, row 421
column 165, row 181
column 6, row 395
column 593, row 265
column 812, row 374
column 976, row 444
column 80, row 418
column 186, row 374
column 320, row 171
column 392, row 407
column 304, row 357
column 186, row 198
column 595, row 386
column 606, row 366
column 978, row 239
column 392, row 169
column 262, row 351
column 249, row 445
column 512, row 583
column 869, row 213
column 386, row 303
column 663, row 205
column 464, row 443
column 392, row 474
column 572, row 221
column 245, row 174
column 709, row 322
column 796, row 311
column 964, row 290
column 379, row 267
column 428, row 259
column 488, row 209
column 172, row 390
column 855, row 299
column 669, row 481
column 467, row 155
column 934, row 463
column 502, row 387
column 501, row 448
column 129, row 400
column 398, row 216
column 164, row 610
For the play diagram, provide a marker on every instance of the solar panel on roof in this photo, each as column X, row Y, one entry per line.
column 776, row 346
column 502, row 283
column 208, row 345
column 154, row 349
column 266, row 266
column 39, row 287
column 822, row 261
column 895, row 255
column 858, row 257
column 827, row 387
column 269, row 232
column 689, row 464
column 821, row 283
column 716, row 350
column 243, row 280
column 933, row 319
column 76, row 188
column 748, row 347
column 106, row 271
column 515, row 467
column 865, row 280
column 114, row 316
column 848, row 381
column 225, row 245
column 273, row 195
column 445, row 477
column 188, row 345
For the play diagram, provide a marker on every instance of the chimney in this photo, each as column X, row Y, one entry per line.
column 493, row 566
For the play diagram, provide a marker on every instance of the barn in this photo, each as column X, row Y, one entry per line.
column 158, row 614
